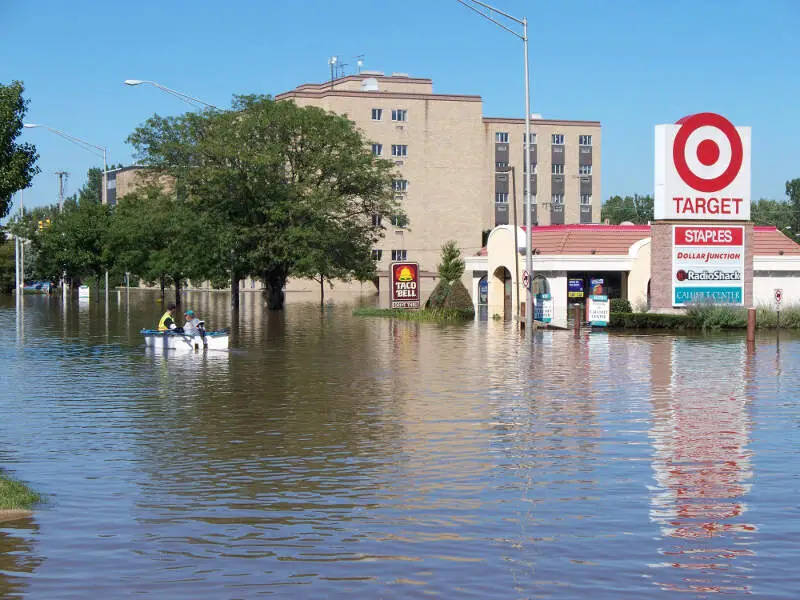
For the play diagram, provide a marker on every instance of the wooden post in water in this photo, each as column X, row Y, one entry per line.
column 751, row 328
column 577, row 314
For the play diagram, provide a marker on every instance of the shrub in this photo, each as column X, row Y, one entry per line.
column 620, row 305
column 451, row 298
column 649, row 321
column 717, row 316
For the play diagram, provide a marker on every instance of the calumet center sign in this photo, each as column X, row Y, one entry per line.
column 702, row 186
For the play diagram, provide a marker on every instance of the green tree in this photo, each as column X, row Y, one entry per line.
column 17, row 161
column 635, row 209
column 7, row 265
column 450, row 295
column 793, row 194
column 772, row 212
column 282, row 185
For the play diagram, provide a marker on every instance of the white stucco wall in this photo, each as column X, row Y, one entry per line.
column 766, row 282
column 639, row 273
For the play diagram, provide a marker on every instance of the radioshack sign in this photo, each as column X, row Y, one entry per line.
column 707, row 264
column 702, row 170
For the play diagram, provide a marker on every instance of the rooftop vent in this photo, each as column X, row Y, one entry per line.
column 400, row 75
column 536, row 116
column 366, row 72
column 370, row 84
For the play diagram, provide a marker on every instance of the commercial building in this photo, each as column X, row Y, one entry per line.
column 567, row 257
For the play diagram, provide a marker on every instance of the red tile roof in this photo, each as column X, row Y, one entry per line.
column 617, row 240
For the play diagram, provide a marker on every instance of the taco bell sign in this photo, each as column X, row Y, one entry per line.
column 702, row 170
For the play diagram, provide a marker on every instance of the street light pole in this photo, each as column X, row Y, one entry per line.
column 185, row 97
column 528, row 209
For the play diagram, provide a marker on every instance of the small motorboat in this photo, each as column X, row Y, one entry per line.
column 172, row 340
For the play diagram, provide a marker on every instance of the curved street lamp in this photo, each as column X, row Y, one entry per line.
column 185, row 97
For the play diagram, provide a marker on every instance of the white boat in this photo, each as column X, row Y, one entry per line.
column 169, row 340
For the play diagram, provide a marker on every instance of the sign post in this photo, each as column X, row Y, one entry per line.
column 778, row 300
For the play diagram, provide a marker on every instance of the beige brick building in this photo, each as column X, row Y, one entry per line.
column 452, row 162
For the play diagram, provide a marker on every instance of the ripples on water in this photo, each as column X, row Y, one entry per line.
column 332, row 456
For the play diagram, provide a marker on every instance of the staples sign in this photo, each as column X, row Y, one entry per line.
column 702, row 170
column 708, row 264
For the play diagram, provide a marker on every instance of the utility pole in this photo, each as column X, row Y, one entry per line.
column 61, row 175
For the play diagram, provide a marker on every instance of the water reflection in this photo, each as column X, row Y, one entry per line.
column 701, row 426
column 374, row 458
column 18, row 556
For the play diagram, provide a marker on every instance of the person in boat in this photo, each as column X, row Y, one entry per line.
column 192, row 324
column 167, row 322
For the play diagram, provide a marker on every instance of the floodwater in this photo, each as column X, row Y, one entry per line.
column 332, row 456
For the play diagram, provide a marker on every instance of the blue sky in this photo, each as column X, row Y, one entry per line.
column 629, row 64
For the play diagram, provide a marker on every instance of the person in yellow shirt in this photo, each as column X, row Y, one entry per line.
column 167, row 321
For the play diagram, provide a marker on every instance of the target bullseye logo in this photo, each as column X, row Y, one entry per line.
column 707, row 152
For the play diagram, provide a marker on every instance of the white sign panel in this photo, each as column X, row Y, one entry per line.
column 599, row 310
column 707, row 264
column 702, row 170
column 543, row 308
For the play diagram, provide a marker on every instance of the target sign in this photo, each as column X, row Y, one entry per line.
column 702, row 169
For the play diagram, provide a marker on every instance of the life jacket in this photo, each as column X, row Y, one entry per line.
column 162, row 324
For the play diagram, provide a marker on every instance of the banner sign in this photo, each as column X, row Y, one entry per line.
column 543, row 308
column 707, row 264
column 702, row 170
column 404, row 285
column 599, row 310
column 575, row 288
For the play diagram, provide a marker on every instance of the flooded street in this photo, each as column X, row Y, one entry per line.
column 332, row 456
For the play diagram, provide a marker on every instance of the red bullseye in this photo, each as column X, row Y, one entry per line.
column 708, row 152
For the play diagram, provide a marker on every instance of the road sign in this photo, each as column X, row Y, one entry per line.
column 526, row 280
column 778, row 296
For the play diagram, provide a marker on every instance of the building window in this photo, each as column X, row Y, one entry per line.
column 399, row 150
column 558, row 169
column 525, row 138
column 400, row 220
column 558, row 199
column 535, row 169
column 501, row 197
column 377, row 114
column 501, row 137
column 376, row 220
column 377, row 149
column 586, row 199
column 377, row 255
column 558, row 139
column 399, row 185
column 399, row 114
column 399, row 254
column 584, row 140
column 500, row 166
column 585, row 170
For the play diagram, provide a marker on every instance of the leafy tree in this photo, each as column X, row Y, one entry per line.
column 636, row 209
column 772, row 212
column 7, row 265
column 157, row 238
column 452, row 266
column 450, row 295
column 283, row 185
column 17, row 161
column 793, row 193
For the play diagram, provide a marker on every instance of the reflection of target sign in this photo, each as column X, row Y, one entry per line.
column 702, row 169
column 526, row 280
column 707, row 152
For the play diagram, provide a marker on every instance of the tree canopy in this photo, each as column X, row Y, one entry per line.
column 17, row 161
column 635, row 209
column 291, row 191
